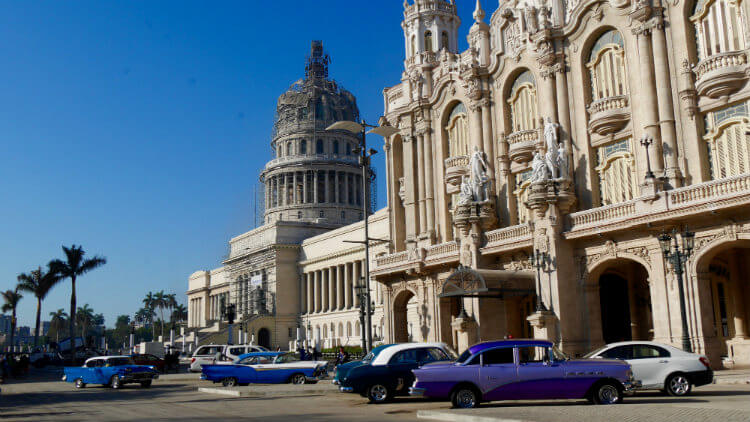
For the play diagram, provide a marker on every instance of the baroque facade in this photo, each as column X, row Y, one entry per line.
column 570, row 134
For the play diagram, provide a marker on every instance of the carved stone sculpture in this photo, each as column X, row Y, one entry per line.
column 466, row 195
column 478, row 175
column 563, row 166
column 550, row 136
column 539, row 169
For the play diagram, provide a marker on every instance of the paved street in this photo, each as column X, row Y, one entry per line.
column 177, row 398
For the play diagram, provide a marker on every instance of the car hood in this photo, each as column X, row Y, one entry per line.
column 438, row 365
column 596, row 362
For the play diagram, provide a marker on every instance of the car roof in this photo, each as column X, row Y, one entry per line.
column 384, row 356
column 263, row 354
column 479, row 347
column 106, row 357
column 649, row 343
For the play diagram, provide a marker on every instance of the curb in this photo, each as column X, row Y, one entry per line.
column 241, row 393
column 732, row 381
column 437, row 415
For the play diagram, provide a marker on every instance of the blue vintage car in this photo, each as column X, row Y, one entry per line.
column 265, row 368
column 522, row 370
column 344, row 368
column 111, row 371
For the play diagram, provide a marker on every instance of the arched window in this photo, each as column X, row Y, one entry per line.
column 356, row 328
column 445, row 41
column 607, row 67
column 616, row 169
column 718, row 27
column 428, row 41
column 727, row 141
column 522, row 101
column 290, row 148
column 319, row 146
column 325, row 331
column 458, row 131
column 341, row 329
column 349, row 329
column 303, row 147
column 335, row 146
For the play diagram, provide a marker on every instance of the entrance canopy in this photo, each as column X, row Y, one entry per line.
column 468, row 282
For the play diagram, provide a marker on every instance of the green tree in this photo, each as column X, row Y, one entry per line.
column 11, row 298
column 160, row 302
column 179, row 313
column 85, row 318
column 149, row 302
column 38, row 282
column 170, row 301
column 57, row 322
column 74, row 266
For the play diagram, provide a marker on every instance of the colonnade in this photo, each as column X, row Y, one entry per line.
column 331, row 289
column 214, row 305
column 313, row 187
column 196, row 312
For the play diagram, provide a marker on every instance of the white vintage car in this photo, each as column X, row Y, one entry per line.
column 266, row 368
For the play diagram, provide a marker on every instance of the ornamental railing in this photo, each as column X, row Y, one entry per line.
column 508, row 233
column 447, row 248
column 609, row 103
column 392, row 259
column 457, row 161
column 719, row 61
column 523, row 136
column 710, row 190
column 597, row 215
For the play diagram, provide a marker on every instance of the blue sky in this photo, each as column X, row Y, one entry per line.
column 138, row 129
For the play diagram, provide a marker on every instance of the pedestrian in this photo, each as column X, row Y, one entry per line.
column 310, row 354
column 302, row 353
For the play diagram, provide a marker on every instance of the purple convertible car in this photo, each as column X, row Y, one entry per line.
column 522, row 370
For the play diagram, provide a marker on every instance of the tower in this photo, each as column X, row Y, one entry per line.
column 429, row 27
column 314, row 176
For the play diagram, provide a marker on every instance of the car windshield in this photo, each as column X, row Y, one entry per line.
column 451, row 353
column 368, row 357
column 120, row 361
column 464, row 356
column 286, row 358
column 589, row 355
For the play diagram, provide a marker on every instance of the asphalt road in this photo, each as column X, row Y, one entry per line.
column 177, row 398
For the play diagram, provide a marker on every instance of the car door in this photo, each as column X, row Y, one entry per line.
column 650, row 364
column 498, row 373
column 244, row 370
column 262, row 369
column 400, row 366
column 538, row 376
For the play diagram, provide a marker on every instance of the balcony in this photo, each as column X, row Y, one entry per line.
column 521, row 145
column 609, row 115
column 455, row 169
column 721, row 74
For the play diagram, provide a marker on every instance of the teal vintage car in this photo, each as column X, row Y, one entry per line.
column 110, row 371
column 344, row 368
column 265, row 368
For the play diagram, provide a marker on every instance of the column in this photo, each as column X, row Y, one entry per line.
column 647, row 98
column 295, row 198
column 315, row 187
column 331, row 289
column 346, row 188
column 736, row 279
column 335, row 187
column 429, row 183
column 348, row 285
column 316, row 290
column 339, row 287
column 324, row 290
column 548, row 88
column 563, row 112
column 355, row 281
column 410, row 207
column 489, row 146
column 421, row 183
column 664, row 96
column 475, row 134
column 309, row 287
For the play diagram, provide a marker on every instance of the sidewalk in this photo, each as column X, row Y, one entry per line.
column 263, row 390
column 732, row 376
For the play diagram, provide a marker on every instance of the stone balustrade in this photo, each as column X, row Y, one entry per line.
column 458, row 161
column 710, row 190
column 606, row 213
column 392, row 259
column 521, row 144
column 508, row 233
column 448, row 248
column 608, row 115
column 721, row 74
column 304, row 158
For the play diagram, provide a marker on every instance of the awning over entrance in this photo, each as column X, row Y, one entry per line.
column 468, row 282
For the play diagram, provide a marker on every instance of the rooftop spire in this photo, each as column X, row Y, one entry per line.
column 479, row 13
column 317, row 62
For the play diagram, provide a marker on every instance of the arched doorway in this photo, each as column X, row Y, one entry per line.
column 264, row 338
column 724, row 292
column 624, row 300
column 403, row 305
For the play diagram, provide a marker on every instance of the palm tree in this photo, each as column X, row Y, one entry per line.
column 74, row 266
column 11, row 297
column 179, row 313
column 149, row 302
column 144, row 315
column 171, row 301
column 57, row 321
column 85, row 318
column 161, row 303
column 39, row 283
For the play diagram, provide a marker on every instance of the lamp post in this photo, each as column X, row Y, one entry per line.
column 677, row 258
column 538, row 259
column 362, row 293
column 646, row 142
column 364, row 161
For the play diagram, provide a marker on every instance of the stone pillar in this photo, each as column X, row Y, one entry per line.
column 665, row 103
column 347, row 287
column 421, row 183
column 548, row 91
column 736, row 278
column 475, row 132
column 310, row 298
column 331, row 289
column 410, row 206
column 429, row 183
column 563, row 112
column 346, row 188
column 315, row 187
column 340, row 286
column 295, row 198
column 316, row 291
column 355, row 281
column 489, row 146
column 647, row 96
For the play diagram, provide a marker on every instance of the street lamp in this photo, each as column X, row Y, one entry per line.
column 364, row 161
column 646, row 142
column 538, row 259
column 362, row 293
column 670, row 248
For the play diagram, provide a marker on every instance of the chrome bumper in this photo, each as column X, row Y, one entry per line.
column 346, row 389
column 417, row 392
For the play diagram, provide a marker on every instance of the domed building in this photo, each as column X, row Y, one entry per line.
column 315, row 177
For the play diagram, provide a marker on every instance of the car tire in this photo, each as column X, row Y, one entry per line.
column 229, row 382
column 114, row 382
column 465, row 397
column 678, row 385
column 146, row 384
column 607, row 393
column 298, row 379
column 379, row 393
column 80, row 384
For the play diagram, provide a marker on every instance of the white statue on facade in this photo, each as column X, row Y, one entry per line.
column 539, row 169
column 563, row 166
column 465, row 196
column 550, row 136
column 478, row 175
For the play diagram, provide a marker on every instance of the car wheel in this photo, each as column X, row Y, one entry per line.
column 607, row 393
column 146, row 384
column 677, row 385
column 378, row 393
column 298, row 379
column 80, row 384
column 114, row 382
column 465, row 398
column 229, row 382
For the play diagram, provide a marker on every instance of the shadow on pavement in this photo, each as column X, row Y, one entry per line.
column 88, row 394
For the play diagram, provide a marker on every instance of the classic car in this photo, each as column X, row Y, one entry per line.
column 266, row 368
column 344, row 368
column 390, row 373
column 522, row 370
column 659, row 366
column 112, row 371
column 150, row 360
